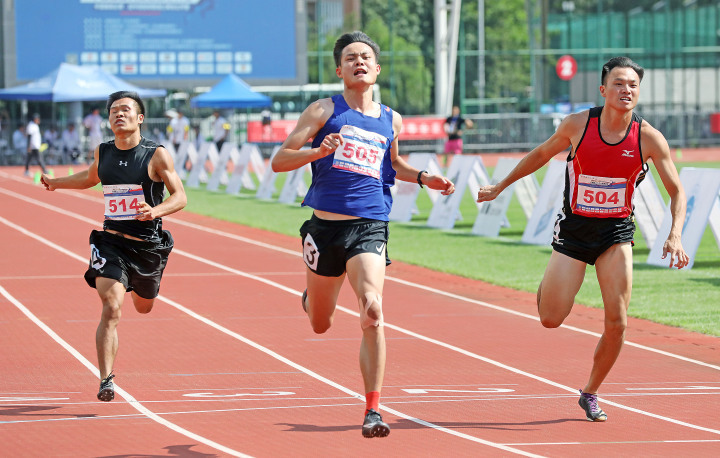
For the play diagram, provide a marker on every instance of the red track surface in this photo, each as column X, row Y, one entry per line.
column 226, row 364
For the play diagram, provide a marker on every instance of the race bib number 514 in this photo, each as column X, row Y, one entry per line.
column 122, row 200
column 361, row 152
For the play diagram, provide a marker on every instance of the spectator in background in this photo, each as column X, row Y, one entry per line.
column 220, row 129
column 266, row 115
column 178, row 130
column 454, row 125
column 70, row 140
column 34, row 141
column 93, row 123
column 19, row 140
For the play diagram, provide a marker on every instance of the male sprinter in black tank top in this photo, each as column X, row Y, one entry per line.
column 131, row 251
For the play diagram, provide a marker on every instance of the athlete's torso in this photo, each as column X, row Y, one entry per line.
column 350, row 181
column 601, row 178
column 116, row 167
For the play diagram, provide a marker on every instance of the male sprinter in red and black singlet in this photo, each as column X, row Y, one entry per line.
column 348, row 231
column 609, row 149
column 131, row 251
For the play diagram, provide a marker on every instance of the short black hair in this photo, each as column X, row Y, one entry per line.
column 622, row 62
column 126, row 95
column 350, row 38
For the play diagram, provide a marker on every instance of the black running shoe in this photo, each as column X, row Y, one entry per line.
column 107, row 389
column 593, row 412
column 304, row 298
column 373, row 426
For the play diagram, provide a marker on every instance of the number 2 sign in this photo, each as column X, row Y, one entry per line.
column 566, row 67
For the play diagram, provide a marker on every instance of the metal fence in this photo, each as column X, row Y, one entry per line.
column 509, row 132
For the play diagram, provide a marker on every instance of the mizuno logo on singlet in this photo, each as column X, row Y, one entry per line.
column 628, row 153
column 123, row 163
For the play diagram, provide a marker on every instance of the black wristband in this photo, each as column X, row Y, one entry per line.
column 418, row 177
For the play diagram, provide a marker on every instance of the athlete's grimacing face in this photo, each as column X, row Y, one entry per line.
column 622, row 88
column 124, row 115
column 358, row 64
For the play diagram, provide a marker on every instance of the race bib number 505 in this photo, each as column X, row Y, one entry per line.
column 122, row 200
column 361, row 152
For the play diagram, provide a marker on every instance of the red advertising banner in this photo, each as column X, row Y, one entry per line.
column 414, row 128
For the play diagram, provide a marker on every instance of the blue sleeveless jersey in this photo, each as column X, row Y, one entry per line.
column 351, row 181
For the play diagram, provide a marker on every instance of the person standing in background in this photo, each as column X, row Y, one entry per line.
column 34, row 141
column 220, row 129
column 93, row 123
column 454, row 124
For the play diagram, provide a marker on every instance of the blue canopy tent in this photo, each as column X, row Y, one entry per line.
column 231, row 92
column 72, row 83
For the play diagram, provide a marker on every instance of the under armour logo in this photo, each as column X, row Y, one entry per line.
column 123, row 163
column 628, row 152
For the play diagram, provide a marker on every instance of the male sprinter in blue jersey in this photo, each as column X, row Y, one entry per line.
column 348, row 231
column 131, row 251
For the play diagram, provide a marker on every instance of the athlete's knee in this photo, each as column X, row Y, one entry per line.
column 370, row 310
column 143, row 306
column 615, row 328
column 321, row 326
column 111, row 306
column 550, row 318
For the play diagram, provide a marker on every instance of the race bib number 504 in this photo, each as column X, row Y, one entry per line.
column 122, row 200
column 601, row 195
column 361, row 152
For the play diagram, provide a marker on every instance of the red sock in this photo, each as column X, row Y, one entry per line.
column 372, row 400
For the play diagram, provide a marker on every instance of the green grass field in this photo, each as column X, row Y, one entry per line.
column 687, row 298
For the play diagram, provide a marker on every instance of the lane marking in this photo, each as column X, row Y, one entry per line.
column 296, row 253
column 247, row 341
column 124, row 394
column 402, row 330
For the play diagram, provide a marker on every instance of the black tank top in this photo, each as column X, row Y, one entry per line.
column 116, row 166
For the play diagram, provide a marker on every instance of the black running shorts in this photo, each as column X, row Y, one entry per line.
column 137, row 264
column 586, row 238
column 328, row 244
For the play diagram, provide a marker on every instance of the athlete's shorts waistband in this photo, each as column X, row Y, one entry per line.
column 344, row 222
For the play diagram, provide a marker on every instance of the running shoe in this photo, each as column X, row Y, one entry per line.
column 304, row 298
column 107, row 389
column 593, row 412
column 373, row 426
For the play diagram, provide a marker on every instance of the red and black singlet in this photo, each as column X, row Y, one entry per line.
column 601, row 178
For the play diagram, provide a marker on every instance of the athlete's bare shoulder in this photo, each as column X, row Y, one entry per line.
column 652, row 141
column 320, row 109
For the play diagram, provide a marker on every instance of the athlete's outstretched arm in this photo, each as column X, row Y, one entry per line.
column 656, row 148
column 539, row 156
column 406, row 172
column 290, row 156
column 81, row 180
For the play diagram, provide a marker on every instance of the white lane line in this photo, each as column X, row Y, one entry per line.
column 125, row 395
column 176, row 220
column 419, row 336
column 683, row 441
column 236, row 336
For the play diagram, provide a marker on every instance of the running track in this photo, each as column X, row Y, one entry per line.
column 227, row 365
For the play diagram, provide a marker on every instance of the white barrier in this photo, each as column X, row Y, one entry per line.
column 492, row 215
column 405, row 193
column 701, row 189
column 208, row 154
column 468, row 173
column 539, row 229
column 248, row 158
